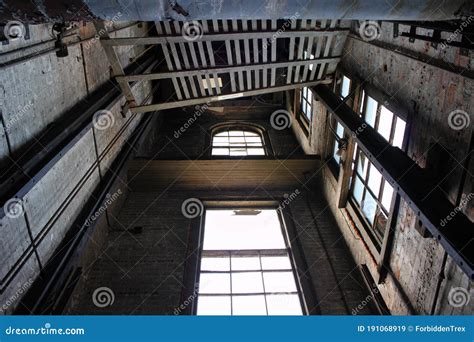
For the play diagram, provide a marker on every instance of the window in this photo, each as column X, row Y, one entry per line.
column 234, row 142
column 344, row 91
column 306, row 103
column 371, row 193
column 245, row 266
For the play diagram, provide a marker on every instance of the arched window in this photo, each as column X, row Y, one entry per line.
column 235, row 141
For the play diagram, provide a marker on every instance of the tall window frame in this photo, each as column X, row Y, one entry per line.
column 370, row 194
column 305, row 286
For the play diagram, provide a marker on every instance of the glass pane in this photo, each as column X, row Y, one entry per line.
column 222, row 134
column 334, row 153
column 220, row 151
column 245, row 263
column 226, row 231
column 288, row 304
column 345, row 87
column 387, row 195
column 385, row 123
column 220, row 140
column 380, row 225
column 236, row 133
column 214, row 283
column 253, row 139
column 238, row 152
column 279, row 282
column 371, row 111
column 248, row 305
column 362, row 165
column 213, row 305
column 275, row 263
column 250, row 134
column 247, row 282
column 215, row 264
column 399, row 133
column 340, row 130
column 237, row 139
column 256, row 151
column 369, row 207
column 375, row 180
column 358, row 190
column 362, row 102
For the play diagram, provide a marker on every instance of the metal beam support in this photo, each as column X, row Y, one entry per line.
column 210, row 37
column 220, row 70
column 426, row 199
column 209, row 99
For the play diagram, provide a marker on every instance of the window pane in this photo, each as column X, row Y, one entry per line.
column 288, row 304
column 380, row 225
column 213, row 305
column 249, row 305
column 346, row 82
column 236, row 133
column 276, row 263
column 214, row 283
column 358, row 190
column 399, row 133
column 371, row 111
column 215, row 264
column 279, row 282
column 385, row 123
column 362, row 165
column 220, row 151
column 245, row 263
column 369, row 207
column 226, row 231
column 387, row 195
column 340, row 130
column 256, row 151
column 248, row 282
column 375, row 180
column 362, row 102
